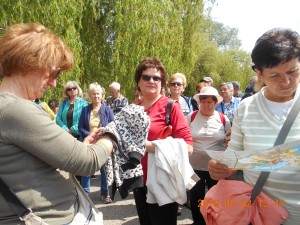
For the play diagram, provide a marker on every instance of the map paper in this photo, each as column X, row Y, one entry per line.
column 281, row 156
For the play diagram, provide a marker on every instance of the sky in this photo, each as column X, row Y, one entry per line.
column 254, row 17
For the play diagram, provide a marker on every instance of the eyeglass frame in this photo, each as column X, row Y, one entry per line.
column 146, row 77
column 54, row 73
column 178, row 84
column 71, row 89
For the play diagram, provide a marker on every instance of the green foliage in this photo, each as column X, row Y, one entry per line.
column 61, row 17
column 110, row 37
column 225, row 37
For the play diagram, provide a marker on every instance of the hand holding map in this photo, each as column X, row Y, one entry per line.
column 281, row 156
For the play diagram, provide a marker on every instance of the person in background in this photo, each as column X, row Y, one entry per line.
column 236, row 89
column 150, row 77
column 165, row 91
column 54, row 106
column 116, row 101
column 177, row 85
column 251, row 88
column 259, row 118
column 208, row 129
column 199, row 86
column 103, row 101
column 45, row 107
column 92, row 117
column 37, row 157
column 85, row 96
column 70, row 109
column 138, row 98
column 208, row 80
column 229, row 103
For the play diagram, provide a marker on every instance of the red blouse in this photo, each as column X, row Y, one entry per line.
column 157, row 113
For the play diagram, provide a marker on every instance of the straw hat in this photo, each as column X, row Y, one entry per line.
column 208, row 91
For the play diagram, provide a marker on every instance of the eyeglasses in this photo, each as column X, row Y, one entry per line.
column 54, row 73
column 72, row 89
column 176, row 84
column 155, row 78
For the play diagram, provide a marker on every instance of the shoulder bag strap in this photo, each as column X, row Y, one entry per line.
column 13, row 201
column 169, row 107
column 286, row 127
column 194, row 115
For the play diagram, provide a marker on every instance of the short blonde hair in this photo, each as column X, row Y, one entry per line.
column 179, row 75
column 103, row 91
column 30, row 46
column 73, row 83
column 95, row 86
column 115, row 86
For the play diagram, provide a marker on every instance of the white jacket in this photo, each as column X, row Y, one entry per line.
column 169, row 172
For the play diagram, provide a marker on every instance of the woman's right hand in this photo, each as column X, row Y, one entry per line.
column 218, row 170
column 150, row 147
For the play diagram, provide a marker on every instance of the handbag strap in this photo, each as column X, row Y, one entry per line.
column 13, row 201
column 169, row 107
column 286, row 127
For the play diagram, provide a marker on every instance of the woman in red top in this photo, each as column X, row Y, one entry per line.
column 150, row 77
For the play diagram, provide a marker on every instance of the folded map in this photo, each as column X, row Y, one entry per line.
column 281, row 156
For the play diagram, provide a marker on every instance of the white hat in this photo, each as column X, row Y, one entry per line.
column 208, row 91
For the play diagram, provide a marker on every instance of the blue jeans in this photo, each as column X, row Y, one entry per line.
column 86, row 182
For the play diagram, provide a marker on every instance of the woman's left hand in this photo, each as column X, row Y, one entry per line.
column 190, row 149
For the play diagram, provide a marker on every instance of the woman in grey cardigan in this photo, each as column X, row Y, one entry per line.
column 36, row 155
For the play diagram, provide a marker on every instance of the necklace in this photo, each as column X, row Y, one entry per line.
column 148, row 109
column 9, row 93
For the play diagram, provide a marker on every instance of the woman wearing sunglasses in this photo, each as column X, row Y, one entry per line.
column 177, row 86
column 70, row 109
column 150, row 77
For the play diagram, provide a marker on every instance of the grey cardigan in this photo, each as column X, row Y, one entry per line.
column 35, row 154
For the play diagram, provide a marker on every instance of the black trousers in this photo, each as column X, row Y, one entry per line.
column 153, row 214
column 197, row 194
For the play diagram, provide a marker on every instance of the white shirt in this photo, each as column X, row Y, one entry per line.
column 208, row 134
column 169, row 172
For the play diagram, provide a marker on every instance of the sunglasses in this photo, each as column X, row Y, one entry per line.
column 176, row 84
column 155, row 78
column 54, row 73
column 72, row 89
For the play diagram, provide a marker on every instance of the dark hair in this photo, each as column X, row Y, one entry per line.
column 236, row 84
column 274, row 47
column 148, row 63
column 53, row 103
column 203, row 97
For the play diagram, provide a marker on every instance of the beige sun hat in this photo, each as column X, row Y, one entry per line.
column 208, row 91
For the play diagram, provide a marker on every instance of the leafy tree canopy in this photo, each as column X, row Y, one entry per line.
column 109, row 38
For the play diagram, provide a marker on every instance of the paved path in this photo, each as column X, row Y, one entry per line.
column 124, row 211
